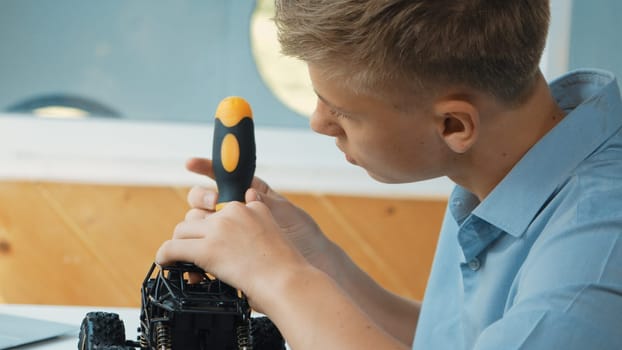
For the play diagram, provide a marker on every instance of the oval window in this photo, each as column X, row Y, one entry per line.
column 287, row 77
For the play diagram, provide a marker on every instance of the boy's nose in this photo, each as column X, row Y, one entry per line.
column 325, row 125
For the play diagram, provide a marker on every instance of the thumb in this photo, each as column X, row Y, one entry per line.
column 271, row 201
column 252, row 195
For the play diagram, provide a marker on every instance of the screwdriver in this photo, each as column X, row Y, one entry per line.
column 233, row 151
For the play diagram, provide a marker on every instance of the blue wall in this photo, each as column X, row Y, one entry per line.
column 149, row 60
column 596, row 35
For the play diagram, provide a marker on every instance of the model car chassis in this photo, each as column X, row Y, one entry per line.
column 177, row 314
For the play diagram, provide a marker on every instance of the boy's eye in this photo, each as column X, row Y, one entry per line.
column 337, row 114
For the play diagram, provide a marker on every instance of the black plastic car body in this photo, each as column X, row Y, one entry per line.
column 177, row 314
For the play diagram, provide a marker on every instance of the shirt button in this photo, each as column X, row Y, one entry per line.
column 475, row 264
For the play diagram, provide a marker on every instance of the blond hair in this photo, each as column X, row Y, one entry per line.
column 490, row 45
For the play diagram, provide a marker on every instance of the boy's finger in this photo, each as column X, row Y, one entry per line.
column 252, row 195
column 197, row 214
column 191, row 229
column 179, row 250
column 202, row 198
column 201, row 166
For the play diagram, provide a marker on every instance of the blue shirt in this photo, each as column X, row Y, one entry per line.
column 538, row 263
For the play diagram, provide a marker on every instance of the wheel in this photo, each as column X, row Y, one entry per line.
column 265, row 335
column 102, row 331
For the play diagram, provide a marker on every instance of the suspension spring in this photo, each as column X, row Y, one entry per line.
column 142, row 340
column 243, row 332
column 163, row 337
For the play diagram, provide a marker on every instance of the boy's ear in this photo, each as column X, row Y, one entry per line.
column 457, row 123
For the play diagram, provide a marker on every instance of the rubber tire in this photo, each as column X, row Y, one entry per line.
column 265, row 335
column 102, row 331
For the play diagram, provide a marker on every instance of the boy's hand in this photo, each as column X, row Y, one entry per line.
column 246, row 245
column 241, row 244
column 295, row 224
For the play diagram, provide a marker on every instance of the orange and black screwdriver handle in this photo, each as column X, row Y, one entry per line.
column 233, row 152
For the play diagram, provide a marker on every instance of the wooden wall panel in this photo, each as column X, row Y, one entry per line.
column 82, row 244
column 391, row 239
column 46, row 259
column 123, row 226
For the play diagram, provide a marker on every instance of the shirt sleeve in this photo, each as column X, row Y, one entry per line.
column 568, row 295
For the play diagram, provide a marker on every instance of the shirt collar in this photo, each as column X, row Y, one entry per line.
column 593, row 99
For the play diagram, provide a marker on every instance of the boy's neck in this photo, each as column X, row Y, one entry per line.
column 505, row 136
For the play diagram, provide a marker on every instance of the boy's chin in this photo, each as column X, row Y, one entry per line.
column 383, row 178
column 388, row 179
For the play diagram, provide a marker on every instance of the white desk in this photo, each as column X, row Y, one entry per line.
column 70, row 315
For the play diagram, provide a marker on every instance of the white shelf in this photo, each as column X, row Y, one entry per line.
column 143, row 153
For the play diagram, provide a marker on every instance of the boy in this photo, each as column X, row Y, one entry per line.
column 529, row 256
